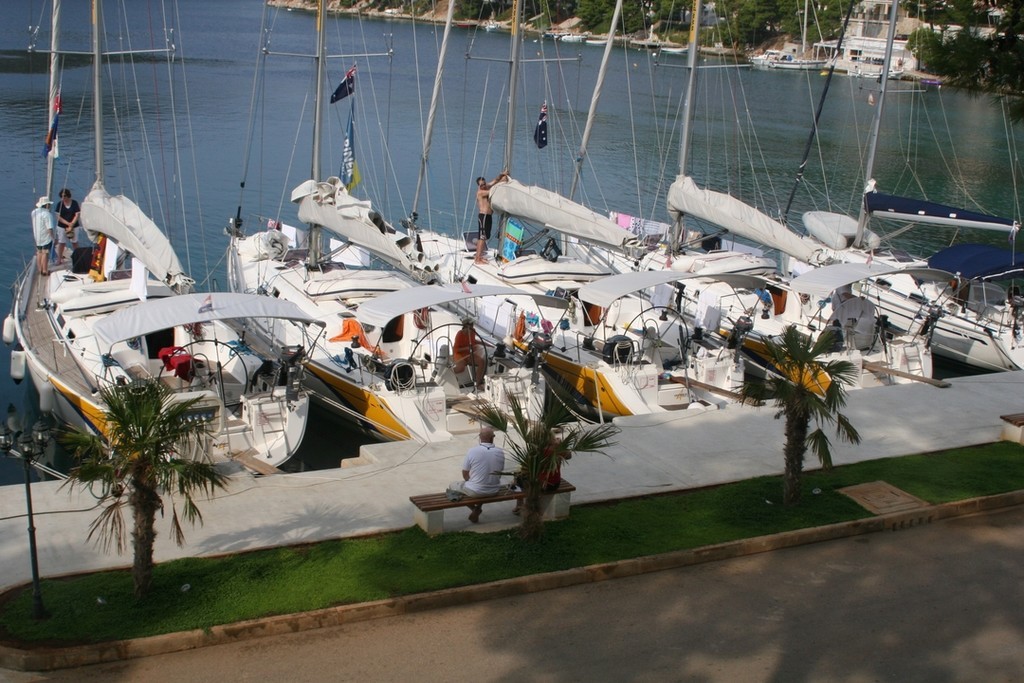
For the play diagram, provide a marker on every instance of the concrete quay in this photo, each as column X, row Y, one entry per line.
column 653, row 454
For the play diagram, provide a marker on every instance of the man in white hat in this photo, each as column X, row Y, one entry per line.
column 42, row 229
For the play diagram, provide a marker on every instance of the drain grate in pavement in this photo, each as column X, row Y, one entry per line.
column 882, row 498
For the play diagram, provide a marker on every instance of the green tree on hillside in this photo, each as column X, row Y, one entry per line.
column 980, row 61
column 136, row 465
column 806, row 388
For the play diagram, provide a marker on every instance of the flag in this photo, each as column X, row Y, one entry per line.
column 347, row 87
column 349, row 168
column 540, row 133
column 465, row 287
column 207, row 306
column 50, row 145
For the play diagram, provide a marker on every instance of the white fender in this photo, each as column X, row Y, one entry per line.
column 17, row 366
column 8, row 329
column 46, row 396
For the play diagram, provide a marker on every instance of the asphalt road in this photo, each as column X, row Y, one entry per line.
column 936, row 603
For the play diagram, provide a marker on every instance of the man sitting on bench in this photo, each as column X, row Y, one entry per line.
column 481, row 471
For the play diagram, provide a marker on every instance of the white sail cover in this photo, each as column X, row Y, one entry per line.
column 605, row 291
column 381, row 310
column 330, row 206
column 551, row 210
column 161, row 314
column 723, row 210
column 123, row 222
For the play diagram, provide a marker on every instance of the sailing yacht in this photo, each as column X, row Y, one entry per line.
column 591, row 356
column 129, row 314
column 385, row 375
column 969, row 318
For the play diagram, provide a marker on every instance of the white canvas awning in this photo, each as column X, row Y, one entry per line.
column 381, row 310
column 605, row 291
column 826, row 279
column 160, row 314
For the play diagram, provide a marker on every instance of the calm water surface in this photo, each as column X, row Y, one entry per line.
column 940, row 144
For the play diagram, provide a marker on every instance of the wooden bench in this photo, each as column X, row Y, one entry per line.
column 1013, row 430
column 429, row 512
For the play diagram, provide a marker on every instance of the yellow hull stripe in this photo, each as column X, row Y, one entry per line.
column 589, row 383
column 366, row 403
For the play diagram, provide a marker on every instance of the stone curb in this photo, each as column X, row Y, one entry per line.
column 49, row 659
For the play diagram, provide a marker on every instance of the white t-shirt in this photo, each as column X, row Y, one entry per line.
column 42, row 226
column 485, row 462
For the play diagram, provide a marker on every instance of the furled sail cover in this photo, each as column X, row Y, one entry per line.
column 551, row 210
column 329, row 205
column 123, row 222
column 684, row 197
column 906, row 209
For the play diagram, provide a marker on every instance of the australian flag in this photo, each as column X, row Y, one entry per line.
column 347, row 87
column 540, row 133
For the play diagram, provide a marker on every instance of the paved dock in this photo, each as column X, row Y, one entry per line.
column 654, row 454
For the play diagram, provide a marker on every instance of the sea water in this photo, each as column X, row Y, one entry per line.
column 750, row 131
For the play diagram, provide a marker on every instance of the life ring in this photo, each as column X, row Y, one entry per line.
column 421, row 318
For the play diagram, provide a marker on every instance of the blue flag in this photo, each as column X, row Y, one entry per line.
column 540, row 133
column 347, row 87
column 349, row 168
column 50, row 145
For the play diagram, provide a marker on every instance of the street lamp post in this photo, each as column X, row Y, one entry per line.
column 30, row 446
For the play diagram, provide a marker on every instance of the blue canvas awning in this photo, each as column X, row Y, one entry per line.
column 979, row 261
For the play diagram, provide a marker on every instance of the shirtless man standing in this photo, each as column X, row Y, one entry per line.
column 485, row 215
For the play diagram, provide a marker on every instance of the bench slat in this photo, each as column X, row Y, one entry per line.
column 439, row 501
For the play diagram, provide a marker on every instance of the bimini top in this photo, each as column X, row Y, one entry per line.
column 605, row 291
column 382, row 309
column 160, row 314
column 826, row 279
column 979, row 261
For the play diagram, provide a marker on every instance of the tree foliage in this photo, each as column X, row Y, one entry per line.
column 806, row 388
column 534, row 448
column 977, row 60
column 136, row 465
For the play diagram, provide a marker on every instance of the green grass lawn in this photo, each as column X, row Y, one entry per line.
column 200, row 593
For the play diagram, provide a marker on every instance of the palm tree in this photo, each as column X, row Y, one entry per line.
column 135, row 463
column 805, row 387
column 540, row 447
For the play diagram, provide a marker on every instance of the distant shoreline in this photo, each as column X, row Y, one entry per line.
column 439, row 18
column 362, row 8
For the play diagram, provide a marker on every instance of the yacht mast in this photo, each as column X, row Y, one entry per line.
column 428, row 133
column 54, row 90
column 513, row 81
column 97, row 89
column 688, row 110
column 598, row 86
column 876, row 125
column 315, row 234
